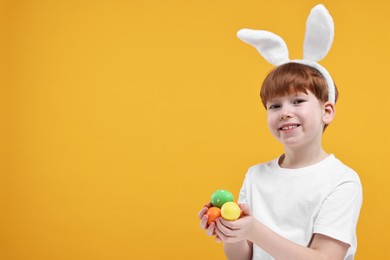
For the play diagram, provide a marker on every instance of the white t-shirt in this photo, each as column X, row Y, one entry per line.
column 323, row 198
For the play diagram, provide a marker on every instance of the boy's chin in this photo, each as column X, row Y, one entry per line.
column 291, row 143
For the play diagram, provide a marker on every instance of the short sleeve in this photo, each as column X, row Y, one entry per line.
column 340, row 211
column 242, row 198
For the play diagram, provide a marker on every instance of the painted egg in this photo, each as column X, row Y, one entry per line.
column 230, row 211
column 220, row 197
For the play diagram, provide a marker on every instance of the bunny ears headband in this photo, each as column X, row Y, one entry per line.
column 318, row 40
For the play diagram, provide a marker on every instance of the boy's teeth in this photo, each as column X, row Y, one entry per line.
column 289, row 127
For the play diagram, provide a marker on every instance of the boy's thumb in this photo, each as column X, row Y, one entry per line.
column 245, row 209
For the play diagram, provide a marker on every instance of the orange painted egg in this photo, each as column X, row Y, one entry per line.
column 213, row 213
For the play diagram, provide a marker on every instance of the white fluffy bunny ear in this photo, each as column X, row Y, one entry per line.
column 318, row 41
column 271, row 46
column 319, row 34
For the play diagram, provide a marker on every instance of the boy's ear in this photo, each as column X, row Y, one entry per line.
column 329, row 112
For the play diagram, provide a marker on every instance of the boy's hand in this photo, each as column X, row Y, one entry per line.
column 210, row 229
column 237, row 230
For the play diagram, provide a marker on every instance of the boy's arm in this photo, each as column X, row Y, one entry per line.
column 241, row 250
column 334, row 249
column 321, row 247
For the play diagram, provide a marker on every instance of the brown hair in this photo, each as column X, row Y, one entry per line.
column 294, row 77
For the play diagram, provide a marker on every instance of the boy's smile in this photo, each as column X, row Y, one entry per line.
column 288, row 127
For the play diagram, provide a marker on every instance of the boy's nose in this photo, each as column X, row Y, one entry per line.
column 284, row 116
column 285, row 113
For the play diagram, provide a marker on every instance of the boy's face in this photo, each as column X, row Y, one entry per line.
column 298, row 119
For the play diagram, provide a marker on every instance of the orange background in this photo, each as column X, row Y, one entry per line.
column 118, row 119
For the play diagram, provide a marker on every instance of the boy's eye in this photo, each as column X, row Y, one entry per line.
column 298, row 101
column 273, row 106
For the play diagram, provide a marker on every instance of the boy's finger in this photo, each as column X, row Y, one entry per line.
column 203, row 222
column 245, row 210
column 208, row 205
column 211, row 229
column 202, row 212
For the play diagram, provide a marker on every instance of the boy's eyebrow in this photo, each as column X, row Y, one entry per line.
column 296, row 94
column 274, row 99
column 301, row 94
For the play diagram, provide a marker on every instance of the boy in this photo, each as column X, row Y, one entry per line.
column 306, row 203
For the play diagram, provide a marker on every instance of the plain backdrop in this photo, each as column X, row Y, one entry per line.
column 119, row 119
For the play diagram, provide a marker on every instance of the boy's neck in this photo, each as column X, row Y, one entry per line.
column 295, row 159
